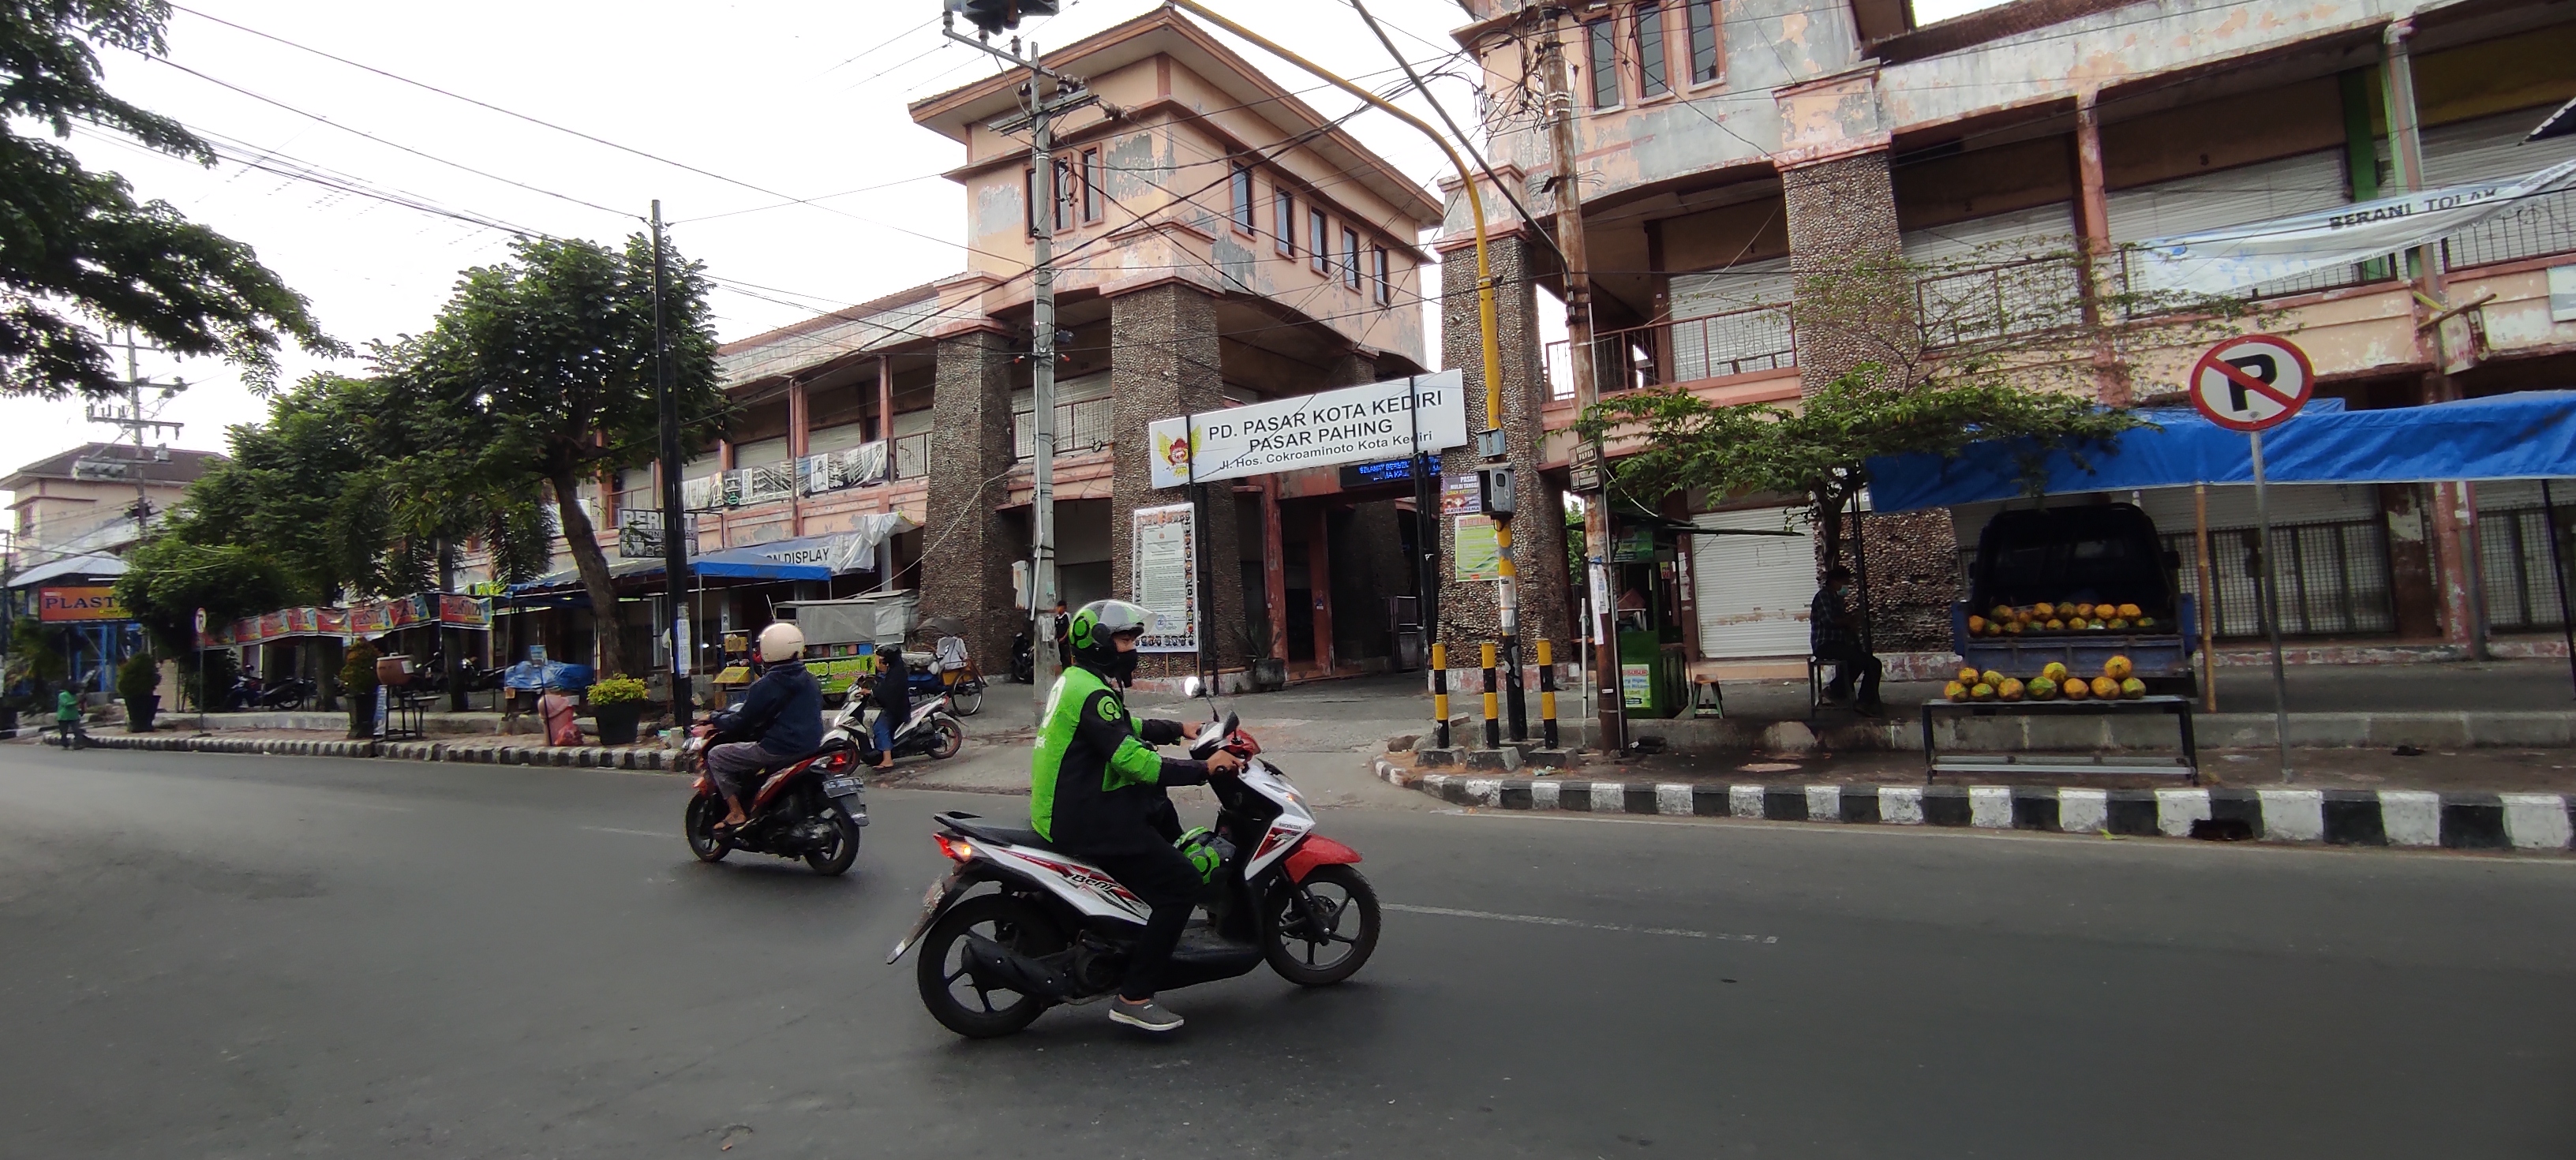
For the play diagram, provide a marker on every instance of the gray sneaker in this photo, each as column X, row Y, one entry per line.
column 1145, row 1016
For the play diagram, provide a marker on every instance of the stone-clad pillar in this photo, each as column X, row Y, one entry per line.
column 1164, row 362
column 1469, row 614
column 1842, row 236
column 967, row 544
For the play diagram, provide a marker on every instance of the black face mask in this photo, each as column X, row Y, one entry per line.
column 1122, row 667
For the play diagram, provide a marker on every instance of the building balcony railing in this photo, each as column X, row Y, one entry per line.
column 912, row 455
column 1079, row 426
column 1734, row 342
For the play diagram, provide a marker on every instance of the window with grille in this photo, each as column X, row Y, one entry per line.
column 1351, row 259
column 1242, row 199
column 1284, row 208
column 1601, row 55
column 1385, row 285
column 1318, row 251
column 1703, row 42
column 1091, row 185
column 1653, row 70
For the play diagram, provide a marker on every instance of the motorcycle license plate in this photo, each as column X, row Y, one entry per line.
column 930, row 900
column 840, row 786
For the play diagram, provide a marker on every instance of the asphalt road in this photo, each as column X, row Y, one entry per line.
column 212, row 956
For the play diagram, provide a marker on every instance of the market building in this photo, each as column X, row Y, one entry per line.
column 1217, row 242
column 73, row 518
column 1726, row 151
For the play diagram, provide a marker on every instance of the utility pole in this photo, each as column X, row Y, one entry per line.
column 675, row 542
column 132, row 418
column 1039, row 109
column 1610, row 707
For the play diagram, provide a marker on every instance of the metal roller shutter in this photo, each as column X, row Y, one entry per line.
column 2230, row 197
column 1752, row 591
column 761, row 453
column 2233, row 506
column 2489, row 148
column 2000, row 238
column 826, row 440
column 1981, row 284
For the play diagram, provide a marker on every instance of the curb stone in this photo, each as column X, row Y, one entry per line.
column 2333, row 817
column 583, row 757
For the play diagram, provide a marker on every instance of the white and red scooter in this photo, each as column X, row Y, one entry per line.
column 1057, row 929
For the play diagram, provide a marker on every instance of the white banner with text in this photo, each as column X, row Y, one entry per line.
column 1388, row 420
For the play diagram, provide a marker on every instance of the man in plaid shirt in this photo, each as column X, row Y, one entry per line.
column 1833, row 634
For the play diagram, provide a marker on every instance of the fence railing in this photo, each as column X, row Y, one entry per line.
column 912, row 455
column 2028, row 296
column 1734, row 342
column 1080, row 426
column 765, row 483
column 2518, row 574
column 2334, row 579
column 2538, row 225
column 848, row 467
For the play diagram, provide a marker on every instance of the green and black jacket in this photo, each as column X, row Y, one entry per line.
column 1095, row 780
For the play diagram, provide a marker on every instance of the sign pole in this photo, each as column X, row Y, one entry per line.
column 2558, row 572
column 2271, row 604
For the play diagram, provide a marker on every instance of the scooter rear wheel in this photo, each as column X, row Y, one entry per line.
column 943, row 969
column 946, row 738
column 1321, row 931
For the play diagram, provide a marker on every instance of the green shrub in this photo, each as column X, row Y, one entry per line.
column 137, row 677
column 618, row 689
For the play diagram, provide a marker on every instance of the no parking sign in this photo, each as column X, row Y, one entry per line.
column 2252, row 382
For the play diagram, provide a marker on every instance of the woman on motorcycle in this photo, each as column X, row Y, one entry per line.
column 1097, row 792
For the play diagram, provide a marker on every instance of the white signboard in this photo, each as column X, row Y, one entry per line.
column 2236, row 257
column 1350, row 425
column 2253, row 382
column 1164, row 559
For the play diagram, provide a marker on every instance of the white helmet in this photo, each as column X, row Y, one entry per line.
column 781, row 641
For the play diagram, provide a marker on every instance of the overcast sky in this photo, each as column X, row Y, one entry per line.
column 801, row 99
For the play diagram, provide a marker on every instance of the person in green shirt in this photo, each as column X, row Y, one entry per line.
column 1097, row 792
column 67, row 716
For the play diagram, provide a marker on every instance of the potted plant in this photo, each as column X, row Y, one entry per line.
column 617, row 702
column 135, row 681
column 358, row 680
column 1252, row 641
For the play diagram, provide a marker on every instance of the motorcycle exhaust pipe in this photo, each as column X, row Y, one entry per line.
column 995, row 965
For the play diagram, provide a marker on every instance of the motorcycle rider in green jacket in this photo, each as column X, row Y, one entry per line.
column 1097, row 792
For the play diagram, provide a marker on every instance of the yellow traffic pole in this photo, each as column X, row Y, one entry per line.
column 1493, row 697
column 1440, row 693
column 1547, row 692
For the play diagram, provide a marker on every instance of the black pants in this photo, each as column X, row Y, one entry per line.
column 1851, row 666
column 1166, row 880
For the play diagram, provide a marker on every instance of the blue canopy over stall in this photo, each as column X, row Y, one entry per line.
column 731, row 564
column 2531, row 435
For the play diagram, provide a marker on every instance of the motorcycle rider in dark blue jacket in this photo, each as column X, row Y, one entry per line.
column 784, row 708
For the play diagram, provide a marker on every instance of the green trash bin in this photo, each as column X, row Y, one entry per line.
column 1652, row 674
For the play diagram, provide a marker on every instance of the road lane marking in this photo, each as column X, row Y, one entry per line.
column 1579, row 924
column 615, row 830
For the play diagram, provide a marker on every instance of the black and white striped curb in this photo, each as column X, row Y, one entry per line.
column 568, row 757
column 2460, row 821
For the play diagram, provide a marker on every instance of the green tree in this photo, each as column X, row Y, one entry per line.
column 75, row 240
column 168, row 579
column 541, row 371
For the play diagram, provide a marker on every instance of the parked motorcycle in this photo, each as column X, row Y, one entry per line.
column 289, row 694
column 1059, row 930
column 931, row 731
column 1024, row 659
column 811, row 808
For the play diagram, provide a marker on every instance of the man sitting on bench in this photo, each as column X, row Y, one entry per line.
column 1833, row 634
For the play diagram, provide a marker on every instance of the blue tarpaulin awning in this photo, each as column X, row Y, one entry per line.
column 2529, row 435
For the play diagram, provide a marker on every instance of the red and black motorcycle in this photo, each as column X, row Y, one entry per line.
column 811, row 808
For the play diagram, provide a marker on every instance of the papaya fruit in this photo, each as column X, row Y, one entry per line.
column 2104, row 688
column 2144, row 623
column 2056, row 625
column 2010, row 690
column 1976, row 626
column 2075, row 689
column 2054, row 671
column 2000, row 612
column 2013, row 629
column 2041, row 689
column 2132, row 689
column 2118, row 668
column 2084, row 610
column 1990, row 677
column 2131, row 611
column 2077, row 624
column 2043, row 610
column 2118, row 625
column 1981, row 692
column 1953, row 691
column 1967, row 676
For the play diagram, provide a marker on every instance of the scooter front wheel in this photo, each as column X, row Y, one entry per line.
column 699, row 824
column 1321, row 931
